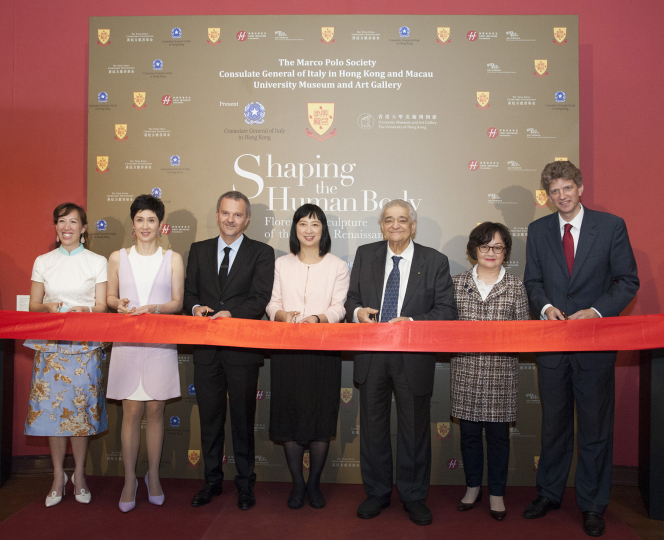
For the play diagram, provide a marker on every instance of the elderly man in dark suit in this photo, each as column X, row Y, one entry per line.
column 579, row 265
column 393, row 281
column 228, row 276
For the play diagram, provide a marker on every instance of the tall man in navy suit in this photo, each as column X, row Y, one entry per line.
column 579, row 265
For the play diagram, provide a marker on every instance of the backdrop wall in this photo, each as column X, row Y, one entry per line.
column 44, row 97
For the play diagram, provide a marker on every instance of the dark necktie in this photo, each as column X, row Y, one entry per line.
column 223, row 269
column 391, row 296
column 568, row 247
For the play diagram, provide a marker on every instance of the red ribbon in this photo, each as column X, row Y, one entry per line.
column 607, row 334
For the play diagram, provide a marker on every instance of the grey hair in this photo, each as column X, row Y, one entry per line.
column 412, row 213
column 236, row 196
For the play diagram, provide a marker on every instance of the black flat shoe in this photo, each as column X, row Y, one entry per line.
column 371, row 507
column 464, row 507
column 204, row 496
column 246, row 499
column 316, row 500
column 295, row 500
column 593, row 524
column 418, row 512
column 539, row 508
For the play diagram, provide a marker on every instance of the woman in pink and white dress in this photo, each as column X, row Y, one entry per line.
column 144, row 279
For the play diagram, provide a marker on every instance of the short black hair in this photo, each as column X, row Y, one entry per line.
column 148, row 202
column 67, row 208
column 484, row 233
column 310, row 210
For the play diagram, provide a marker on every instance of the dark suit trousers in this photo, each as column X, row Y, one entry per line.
column 594, row 392
column 386, row 373
column 212, row 381
column 497, row 450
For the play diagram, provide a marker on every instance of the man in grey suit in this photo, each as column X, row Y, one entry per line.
column 579, row 265
column 394, row 281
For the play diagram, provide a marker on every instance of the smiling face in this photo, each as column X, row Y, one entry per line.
column 397, row 226
column 566, row 196
column 146, row 226
column 309, row 232
column 491, row 260
column 232, row 219
column 69, row 230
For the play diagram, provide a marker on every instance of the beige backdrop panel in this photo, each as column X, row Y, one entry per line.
column 176, row 111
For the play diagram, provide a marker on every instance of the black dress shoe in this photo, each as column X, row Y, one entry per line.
column 498, row 516
column 593, row 524
column 296, row 500
column 316, row 500
column 539, row 507
column 371, row 507
column 464, row 507
column 246, row 499
column 204, row 496
column 418, row 512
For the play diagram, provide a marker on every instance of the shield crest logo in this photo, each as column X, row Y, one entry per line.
column 536, row 462
column 328, row 34
column 104, row 36
column 139, row 100
column 305, row 460
column 213, row 35
column 561, row 159
column 541, row 198
column 194, row 457
column 560, row 35
column 540, row 68
column 321, row 117
column 443, row 33
column 346, row 395
column 443, row 429
column 121, row 132
column 102, row 164
column 483, row 100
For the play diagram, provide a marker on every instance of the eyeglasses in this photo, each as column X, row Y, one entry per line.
column 496, row 249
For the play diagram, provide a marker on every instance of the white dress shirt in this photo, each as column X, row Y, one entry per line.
column 482, row 287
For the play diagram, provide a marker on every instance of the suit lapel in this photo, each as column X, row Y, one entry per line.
column 587, row 237
column 378, row 267
column 242, row 256
column 213, row 264
column 556, row 244
column 415, row 277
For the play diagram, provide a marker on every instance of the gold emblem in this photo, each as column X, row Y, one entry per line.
column 121, row 132
column 483, row 100
column 213, row 36
column 560, row 35
column 540, row 68
column 541, row 198
column 139, row 100
column 561, row 159
column 102, row 164
column 321, row 117
column 305, row 460
column 346, row 395
column 103, row 36
column 443, row 429
column 536, row 462
column 443, row 33
column 194, row 457
column 328, row 34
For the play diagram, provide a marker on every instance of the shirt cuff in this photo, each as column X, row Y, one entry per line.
column 542, row 313
column 598, row 313
column 355, row 319
column 192, row 309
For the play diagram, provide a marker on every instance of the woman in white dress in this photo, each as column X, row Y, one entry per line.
column 144, row 279
column 66, row 396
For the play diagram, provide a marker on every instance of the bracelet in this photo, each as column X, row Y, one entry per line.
column 90, row 309
column 158, row 311
column 317, row 317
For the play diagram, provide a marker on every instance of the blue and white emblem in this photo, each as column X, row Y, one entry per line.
column 191, row 389
column 404, row 31
column 560, row 97
column 157, row 65
column 254, row 113
column 175, row 161
column 175, row 421
column 156, row 192
column 101, row 225
column 102, row 97
column 176, row 33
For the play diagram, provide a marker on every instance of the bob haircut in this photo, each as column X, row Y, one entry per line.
column 148, row 202
column 310, row 210
column 560, row 169
column 484, row 233
column 67, row 208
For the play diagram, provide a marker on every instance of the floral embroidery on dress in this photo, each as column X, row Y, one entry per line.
column 52, row 364
column 40, row 390
column 32, row 415
column 78, row 424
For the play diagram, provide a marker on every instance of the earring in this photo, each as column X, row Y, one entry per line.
column 57, row 238
column 82, row 239
column 133, row 232
column 159, row 233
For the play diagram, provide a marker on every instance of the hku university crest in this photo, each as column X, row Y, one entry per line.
column 443, row 430
column 541, row 68
column 483, row 100
column 213, row 36
column 103, row 37
column 139, row 100
column 346, row 395
column 542, row 201
column 194, row 457
column 321, row 116
column 102, row 164
column 121, row 132
column 443, row 33
column 559, row 35
column 328, row 34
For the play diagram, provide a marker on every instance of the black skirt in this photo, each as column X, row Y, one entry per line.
column 305, row 392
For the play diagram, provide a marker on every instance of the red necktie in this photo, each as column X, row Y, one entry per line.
column 568, row 247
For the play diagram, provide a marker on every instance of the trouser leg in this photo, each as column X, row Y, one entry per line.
column 498, row 455
column 472, row 452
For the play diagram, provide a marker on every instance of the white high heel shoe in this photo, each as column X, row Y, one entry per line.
column 84, row 497
column 54, row 498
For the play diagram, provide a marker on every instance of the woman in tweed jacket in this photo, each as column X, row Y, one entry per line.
column 484, row 385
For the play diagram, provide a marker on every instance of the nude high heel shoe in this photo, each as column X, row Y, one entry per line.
column 54, row 498
column 84, row 497
column 127, row 506
column 154, row 499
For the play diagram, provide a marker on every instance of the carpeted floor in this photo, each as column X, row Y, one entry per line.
column 272, row 519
